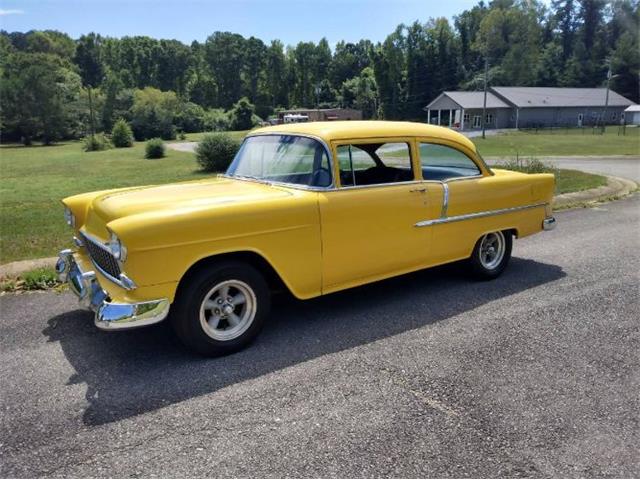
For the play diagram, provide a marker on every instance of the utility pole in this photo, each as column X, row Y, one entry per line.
column 606, row 98
column 484, row 103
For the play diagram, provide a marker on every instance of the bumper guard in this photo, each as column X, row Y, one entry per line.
column 108, row 315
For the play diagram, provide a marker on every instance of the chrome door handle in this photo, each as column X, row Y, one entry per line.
column 418, row 190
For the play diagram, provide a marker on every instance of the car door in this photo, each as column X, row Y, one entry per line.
column 369, row 220
column 470, row 189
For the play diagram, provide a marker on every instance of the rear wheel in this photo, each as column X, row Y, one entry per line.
column 491, row 255
column 221, row 309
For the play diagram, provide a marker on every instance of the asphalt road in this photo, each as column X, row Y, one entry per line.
column 620, row 166
column 431, row 374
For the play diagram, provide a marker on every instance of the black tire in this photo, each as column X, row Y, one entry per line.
column 185, row 314
column 479, row 268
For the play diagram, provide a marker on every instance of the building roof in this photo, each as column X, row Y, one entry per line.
column 469, row 100
column 523, row 97
column 361, row 129
column 633, row 108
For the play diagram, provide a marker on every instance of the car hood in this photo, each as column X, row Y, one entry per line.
column 184, row 196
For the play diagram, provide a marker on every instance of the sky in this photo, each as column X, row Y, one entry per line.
column 291, row 21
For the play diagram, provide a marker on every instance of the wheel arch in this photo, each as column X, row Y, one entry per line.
column 275, row 281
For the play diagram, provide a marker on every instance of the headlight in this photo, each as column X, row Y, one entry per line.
column 69, row 217
column 117, row 249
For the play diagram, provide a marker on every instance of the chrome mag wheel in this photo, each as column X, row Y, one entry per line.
column 228, row 310
column 492, row 250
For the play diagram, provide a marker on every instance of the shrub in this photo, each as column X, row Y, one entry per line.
column 95, row 143
column 153, row 113
column 121, row 135
column 216, row 120
column 216, row 151
column 242, row 116
column 154, row 148
column 190, row 118
column 527, row 165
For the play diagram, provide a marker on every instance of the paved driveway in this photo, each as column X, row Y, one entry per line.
column 622, row 166
column 432, row 374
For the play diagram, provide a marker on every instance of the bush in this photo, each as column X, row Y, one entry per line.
column 96, row 143
column 190, row 118
column 216, row 120
column 216, row 151
column 527, row 165
column 243, row 116
column 154, row 148
column 121, row 135
column 153, row 113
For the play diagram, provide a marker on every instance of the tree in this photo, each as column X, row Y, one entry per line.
column 38, row 95
column 389, row 68
column 565, row 19
column 625, row 64
column 224, row 53
column 87, row 59
column 153, row 113
column 361, row 93
column 242, row 114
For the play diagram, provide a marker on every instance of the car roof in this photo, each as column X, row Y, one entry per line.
column 358, row 129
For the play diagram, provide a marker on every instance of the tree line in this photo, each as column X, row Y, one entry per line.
column 53, row 86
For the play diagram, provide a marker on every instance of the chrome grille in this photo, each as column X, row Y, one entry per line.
column 102, row 257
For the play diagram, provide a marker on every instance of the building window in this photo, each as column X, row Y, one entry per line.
column 489, row 119
column 477, row 121
column 466, row 118
column 614, row 116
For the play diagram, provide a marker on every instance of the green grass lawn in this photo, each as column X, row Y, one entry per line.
column 33, row 180
column 560, row 142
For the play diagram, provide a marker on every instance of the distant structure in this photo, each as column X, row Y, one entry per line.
column 318, row 115
column 528, row 107
column 632, row 115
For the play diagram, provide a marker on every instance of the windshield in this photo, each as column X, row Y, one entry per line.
column 282, row 158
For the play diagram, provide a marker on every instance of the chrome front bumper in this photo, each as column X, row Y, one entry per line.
column 108, row 315
column 549, row 223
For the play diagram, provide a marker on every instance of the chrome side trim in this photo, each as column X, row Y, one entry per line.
column 445, row 200
column 471, row 216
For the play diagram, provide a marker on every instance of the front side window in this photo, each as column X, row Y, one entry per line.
column 441, row 163
column 374, row 163
column 283, row 158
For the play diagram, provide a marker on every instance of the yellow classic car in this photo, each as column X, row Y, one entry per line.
column 313, row 208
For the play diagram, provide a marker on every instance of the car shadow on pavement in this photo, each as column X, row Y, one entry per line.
column 132, row 372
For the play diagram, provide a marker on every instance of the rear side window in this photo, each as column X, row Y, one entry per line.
column 374, row 163
column 440, row 162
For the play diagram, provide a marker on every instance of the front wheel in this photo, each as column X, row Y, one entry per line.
column 221, row 309
column 491, row 255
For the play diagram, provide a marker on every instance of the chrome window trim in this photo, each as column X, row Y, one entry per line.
column 471, row 216
column 288, row 184
column 480, row 164
column 124, row 281
column 379, row 185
